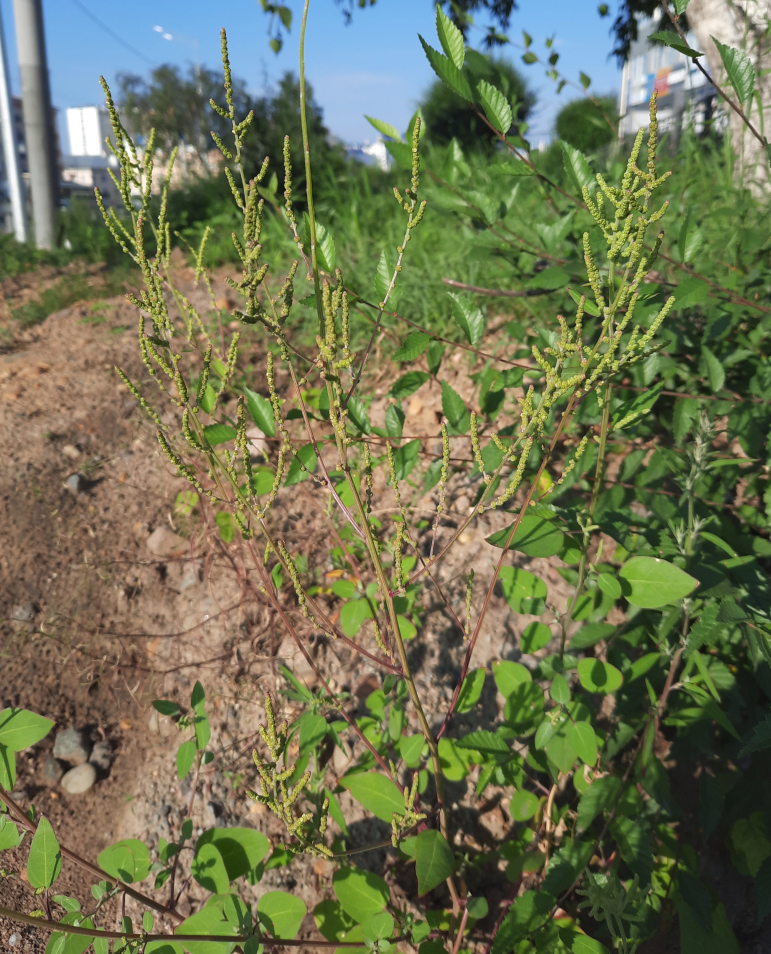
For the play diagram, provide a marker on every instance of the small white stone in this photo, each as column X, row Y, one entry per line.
column 165, row 543
column 79, row 780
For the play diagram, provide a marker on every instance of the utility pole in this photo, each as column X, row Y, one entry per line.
column 38, row 119
column 11, row 146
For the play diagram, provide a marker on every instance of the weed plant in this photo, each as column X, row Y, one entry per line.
column 608, row 442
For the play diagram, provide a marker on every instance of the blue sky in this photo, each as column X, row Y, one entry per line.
column 374, row 66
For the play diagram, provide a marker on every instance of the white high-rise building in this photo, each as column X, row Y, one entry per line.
column 88, row 127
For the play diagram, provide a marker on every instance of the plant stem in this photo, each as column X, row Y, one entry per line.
column 308, row 177
column 598, row 474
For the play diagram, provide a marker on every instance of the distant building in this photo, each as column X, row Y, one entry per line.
column 6, row 215
column 684, row 94
column 89, row 161
column 371, row 154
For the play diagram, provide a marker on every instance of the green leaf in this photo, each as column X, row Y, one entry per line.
column 447, row 72
column 455, row 410
column 352, row 615
column 408, row 383
column 496, row 106
column 296, row 474
column 471, row 690
column 412, row 347
column 378, row 928
column 166, row 707
column 560, row 690
column 600, row 795
column 534, row 637
column 649, row 582
column 226, row 526
column 590, row 634
column 210, row 919
column 583, row 740
column 434, row 859
column 525, row 916
column 405, row 458
column 219, row 433
column 282, row 912
column 45, row 859
column 385, row 128
column 681, row 6
column 7, row 768
column 407, row 629
column 715, row 369
column 185, row 758
column 9, row 835
column 361, row 893
column 450, row 37
column 640, row 405
column 209, row 869
column 609, row 585
column 509, row 676
column 585, row 80
column 434, row 356
column 261, row 412
column 385, row 273
column 670, row 38
column 453, row 760
column 357, row 414
column 529, row 58
column 523, row 591
column 469, row 319
column 536, row 537
column 331, row 920
column 576, row 165
column 20, row 728
column 313, row 729
column 739, row 68
column 484, row 741
column 377, row 793
column 759, row 739
column 410, row 749
column 515, row 167
column 128, row 860
column 524, row 706
column 523, row 805
column 241, row 849
column 599, row 676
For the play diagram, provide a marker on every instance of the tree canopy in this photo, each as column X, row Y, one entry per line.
column 588, row 124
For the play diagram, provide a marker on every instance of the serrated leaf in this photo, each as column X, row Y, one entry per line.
column 295, row 474
column 515, row 167
column 600, row 795
column 455, row 410
column 639, row 406
column 412, row 347
column 681, row 6
column 261, row 411
column 219, row 433
column 469, row 319
column 408, row 384
column 649, row 582
column 450, row 37
column 385, row 128
column 759, row 739
column 405, row 458
column 576, row 165
column 434, row 860
column 394, row 421
column 670, row 38
column 715, row 369
column 739, row 68
column 44, row 863
column 447, row 72
column 377, row 793
column 496, row 106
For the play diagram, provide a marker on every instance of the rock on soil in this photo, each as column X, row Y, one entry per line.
column 165, row 543
column 79, row 780
column 52, row 770
column 101, row 756
column 72, row 746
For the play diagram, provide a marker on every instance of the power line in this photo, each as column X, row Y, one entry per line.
column 112, row 33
